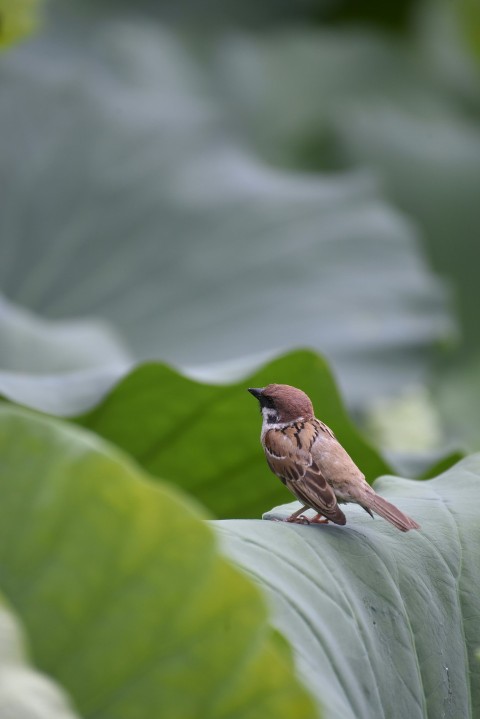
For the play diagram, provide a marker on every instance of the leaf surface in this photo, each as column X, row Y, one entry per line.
column 383, row 624
column 24, row 692
column 123, row 595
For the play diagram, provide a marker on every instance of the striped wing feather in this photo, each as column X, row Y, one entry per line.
column 289, row 457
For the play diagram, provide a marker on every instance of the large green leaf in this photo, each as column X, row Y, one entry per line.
column 59, row 367
column 408, row 110
column 24, row 693
column 33, row 346
column 124, row 597
column 140, row 206
column 307, row 80
column 431, row 166
column 206, row 437
column 384, row 624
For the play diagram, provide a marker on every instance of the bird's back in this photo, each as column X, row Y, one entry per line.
column 337, row 466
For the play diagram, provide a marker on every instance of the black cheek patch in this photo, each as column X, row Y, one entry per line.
column 266, row 402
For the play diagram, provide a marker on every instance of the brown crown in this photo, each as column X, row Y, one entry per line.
column 289, row 402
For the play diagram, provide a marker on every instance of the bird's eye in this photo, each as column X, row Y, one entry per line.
column 268, row 402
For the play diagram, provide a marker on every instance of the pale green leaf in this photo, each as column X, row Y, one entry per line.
column 24, row 692
column 142, row 205
column 123, row 595
column 384, row 624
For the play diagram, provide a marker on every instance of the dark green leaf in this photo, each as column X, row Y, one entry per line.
column 206, row 438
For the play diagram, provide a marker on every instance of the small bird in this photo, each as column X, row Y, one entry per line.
column 305, row 454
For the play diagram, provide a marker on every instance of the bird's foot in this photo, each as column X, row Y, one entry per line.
column 295, row 519
column 319, row 519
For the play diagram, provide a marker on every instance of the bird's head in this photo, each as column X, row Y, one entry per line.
column 280, row 403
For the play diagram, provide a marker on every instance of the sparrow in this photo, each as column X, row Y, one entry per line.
column 305, row 454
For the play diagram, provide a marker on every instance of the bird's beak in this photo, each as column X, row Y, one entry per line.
column 256, row 391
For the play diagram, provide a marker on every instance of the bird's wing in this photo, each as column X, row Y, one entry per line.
column 288, row 455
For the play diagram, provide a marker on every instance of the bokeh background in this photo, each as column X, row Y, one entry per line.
column 213, row 184
column 198, row 197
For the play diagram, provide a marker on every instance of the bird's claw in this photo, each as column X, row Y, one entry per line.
column 302, row 519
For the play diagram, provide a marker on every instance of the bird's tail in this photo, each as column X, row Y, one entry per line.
column 392, row 514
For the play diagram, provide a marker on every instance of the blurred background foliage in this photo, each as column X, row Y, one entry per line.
column 214, row 184
column 196, row 197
